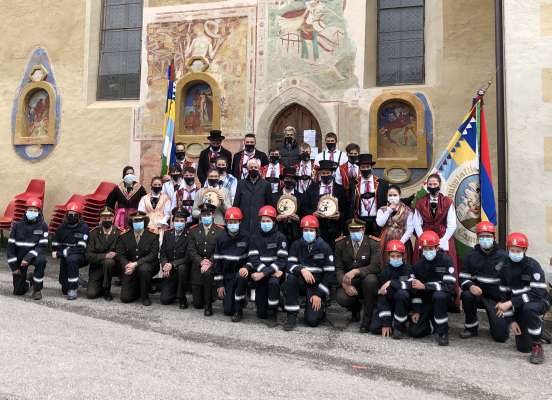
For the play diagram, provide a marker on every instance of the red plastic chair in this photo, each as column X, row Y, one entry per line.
column 8, row 218
column 78, row 198
column 35, row 188
column 101, row 193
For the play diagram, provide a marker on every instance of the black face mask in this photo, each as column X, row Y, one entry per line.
column 213, row 182
column 189, row 181
column 305, row 156
column 289, row 184
column 72, row 218
column 327, row 179
column 331, row 146
column 221, row 170
column 288, row 140
column 353, row 159
column 215, row 148
column 175, row 177
column 254, row 174
column 365, row 173
column 434, row 190
column 274, row 159
column 107, row 224
column 249, row 147
column 156, row 189
column 180, row 155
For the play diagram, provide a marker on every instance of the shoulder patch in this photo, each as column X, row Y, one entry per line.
column 377, row 239
column 537, row 276
column 451, row 270
column 339, row 239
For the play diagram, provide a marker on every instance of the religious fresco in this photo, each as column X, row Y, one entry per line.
column 197, row 109
column 397, row 131
column 38, row 108
column 308, row 38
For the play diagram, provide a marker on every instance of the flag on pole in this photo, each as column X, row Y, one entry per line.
column 488, row 205
column 168, row 151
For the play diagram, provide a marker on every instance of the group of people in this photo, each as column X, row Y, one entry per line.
column 237, row 247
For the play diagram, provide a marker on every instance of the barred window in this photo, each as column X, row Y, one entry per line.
column 120, row 48
column 400, row 42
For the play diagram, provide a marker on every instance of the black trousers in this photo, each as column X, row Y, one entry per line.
column 100, row 276
column 138, row 284
column 367, row 289
column 528, row 317
column 174, row 286
column 69, row 271
column 293, row 288
column 392, row 311
column 267, row 294
column 202, row 294
column 434, row 312
column 229, row 304
column 470, row 304
column 20, row 284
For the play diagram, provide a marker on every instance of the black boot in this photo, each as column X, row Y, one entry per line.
column 443, row 339
column 238, row 315
column 291, row 322
column 146, row 301
column 107, row 295
column 398, row 334
column 355, row 316
column 537, row 354
column 467, row 334
column 272, row 320
column 208, row 311
column 183, row 303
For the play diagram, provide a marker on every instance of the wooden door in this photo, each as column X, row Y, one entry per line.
column 298, row 117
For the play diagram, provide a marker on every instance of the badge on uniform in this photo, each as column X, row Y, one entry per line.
column 537, row 276
column 272, row 245
column 318, row 256
column 363, row 257
column 38, row 232
column 331, row 258
column 284, row 244
column 498, row 266
column 451, row 270
column 241, row 244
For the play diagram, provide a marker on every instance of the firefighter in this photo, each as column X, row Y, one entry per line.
column 480, row 281
column 434, row 283
column 394, row 294
column 525, row 297
column 267, row 260
column 232, row 248
column 311, row 271
column 69, row 245
column 26, row 245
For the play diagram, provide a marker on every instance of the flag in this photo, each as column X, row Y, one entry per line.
column 168, row 150
column 488, row 206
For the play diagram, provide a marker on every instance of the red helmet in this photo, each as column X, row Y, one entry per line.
column 395, row 245
column 34, row 202
column 485, row 227
column 267, row 211
column 309, row 221
column 429, row 238
column 74, row 206
column 233, row 213
column 517, row 239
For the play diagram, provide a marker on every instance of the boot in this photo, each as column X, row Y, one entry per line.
column 291, row 322
column 537, row 354
column 183, row 303
column 398, row 334
column 37, row 295
column 272, row 320
column 238, row 315
column 71, row 294
column 355, row 316
column 467, row 334
column 443, row 339
column 108, row 296
column 208, row 311
column 146, row 301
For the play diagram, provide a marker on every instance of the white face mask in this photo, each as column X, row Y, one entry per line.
column 393, row 199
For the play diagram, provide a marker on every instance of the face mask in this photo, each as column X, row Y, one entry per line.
column 180, row 155
column 249, row 148
column 72, row 218
column 434, row 190
column 366, row 173
column 175, row 177
column 138, row 226
column 430, row 254
column 129, row 179
column 393, row 199
column 213, row 182
column 395, row 262
column 274, row 159
column 215, row 148
column 179, row 225
column 289, row 184
column 326, row 180
column 189, row 181
column 156, row 189
column 107, row 224
column 266, row 226
column 254, row 174
column 289, row 140
column 515, row 257
column 207, row 219
column 357, row 236
column 486, row 242
column 353, row 159
column 31, row 215
column 221, row 170
column 233, row 228
column 331, row 146
column 309, row 236
column 305, row 156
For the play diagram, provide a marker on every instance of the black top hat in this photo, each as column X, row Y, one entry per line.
column 327, row 165
column 365, row 159
column 289, row 172
column 215, row 134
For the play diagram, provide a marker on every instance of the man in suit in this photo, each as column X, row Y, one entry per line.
column 202, row 242
column 252, row 193
column 174, row 262
column 331, row 227
column 241, row 159
column 101, row 256
column 137, row 250
column 357, row 265
column 208, row 156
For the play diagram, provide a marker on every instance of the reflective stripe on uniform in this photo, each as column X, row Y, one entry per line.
column 440, row 321
column 293, row 259
column 535, row 331
column 37, row 280
column 384, row 314
column 323, row 287
column 472, row 325
column 328, row 268
column 72, row 279
column 400, row 319
column 268, row 259
column 282, row 253
column 540, row 285
column 520, row 291
column 291, row 308
column 11, row 260
column 484, row 279
column 525, row 298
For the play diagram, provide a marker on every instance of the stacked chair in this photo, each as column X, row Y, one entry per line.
column 16, row 208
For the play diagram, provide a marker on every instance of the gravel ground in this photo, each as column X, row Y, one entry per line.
column 92, row 349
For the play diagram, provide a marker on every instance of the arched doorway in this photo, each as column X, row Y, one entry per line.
column 300, row 118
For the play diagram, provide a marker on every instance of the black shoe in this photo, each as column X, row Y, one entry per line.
column 398, row 334
column 146, row 301
column 108, row 296
column 83, row 283
column 291, row 322
column 443, row 339
column 37, row 295
column 467, row 334
column 272, row 320
column 537, row 354
column 355, row 316
column 237, row 317
column 183, row 303
column 208, row 311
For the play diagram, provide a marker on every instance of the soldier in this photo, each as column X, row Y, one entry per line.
column 265, row 268
column 69, row 245
column 201, row 249
column 480, row 281
column 174, row 262
column 434, row 283
column 230, row 257
column 138, row 249
column 357, row 265
column 288, row 224
column 394, row 293
column 26, row 245
column 525, row 299
column 311, row 271
column 102, row 257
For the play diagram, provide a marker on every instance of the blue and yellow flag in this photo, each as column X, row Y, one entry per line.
column 168, row 151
